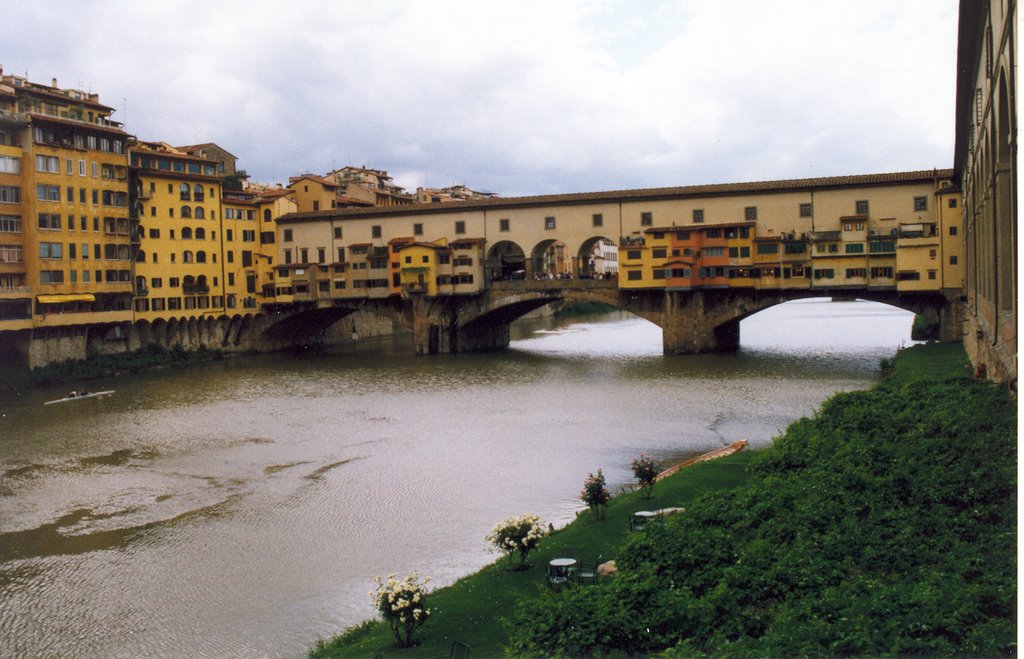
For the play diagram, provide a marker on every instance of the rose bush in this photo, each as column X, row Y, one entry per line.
column 402, row 604
column 646, row 470
column 517, row 534
column 595, row 495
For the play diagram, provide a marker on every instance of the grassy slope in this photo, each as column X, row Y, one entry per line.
column 471, row 609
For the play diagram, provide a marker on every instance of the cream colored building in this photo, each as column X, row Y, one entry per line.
column 985, row 161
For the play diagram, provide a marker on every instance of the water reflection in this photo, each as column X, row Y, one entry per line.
column 243, row 507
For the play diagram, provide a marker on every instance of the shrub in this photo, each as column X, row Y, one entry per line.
column 517, row 534
column 595, row 495
column 646, row 470
column 402, row 604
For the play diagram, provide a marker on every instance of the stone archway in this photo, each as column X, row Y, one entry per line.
column 506, row 261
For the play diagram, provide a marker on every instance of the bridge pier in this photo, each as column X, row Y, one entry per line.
column 689, row 325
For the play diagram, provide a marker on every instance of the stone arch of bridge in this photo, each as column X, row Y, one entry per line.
column 309, row 324
column 589, row 261
column 506, row 261
column 504, row 306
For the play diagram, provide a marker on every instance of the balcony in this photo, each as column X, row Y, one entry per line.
column 14, row 118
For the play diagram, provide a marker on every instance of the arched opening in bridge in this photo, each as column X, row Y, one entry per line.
column 550, row 260
column 821, row 326
column 598, row 258
column 506, row 262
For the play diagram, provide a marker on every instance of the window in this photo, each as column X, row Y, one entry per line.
column 10, row 165
column 633, row 254
column 248, row 235
column 52, row 277
column 375, row 231
column 659, row 253
column 861, row 207
column 882, row 246
column 920, row 203
column 186, row 211
column 853, row 273
column 49, row 221
column 185, row 192
column 750, row 213
column 767, row 248
column 952, row 260
column 646, row 219
column 460, row 226
column 805, row 210
column 51, row 250
column 200, row 213
column 598, row 219
column 81, row 169
column 549, row 223
column 714, row 251
column 952, row 202
column 931, row 274
column 49, row 164
column 698, row 215
column 48, row 192
column 932, row 254
column 10, row 224
column 10, row 194
column 827, row 273
column 337, row 233
column 682, row 235
column 884, row 272
column 321, row 255
column 952, row 231
column 304, row 255
column 287, row 235
column 634, row 275
column 855, row 248
column 503, row 225
column 417, row 229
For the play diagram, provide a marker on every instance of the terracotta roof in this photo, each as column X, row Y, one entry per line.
column 313, row 177
column 642, row 194
column 198, row 147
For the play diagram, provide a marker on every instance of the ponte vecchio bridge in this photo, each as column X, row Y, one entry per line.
column 694, row 260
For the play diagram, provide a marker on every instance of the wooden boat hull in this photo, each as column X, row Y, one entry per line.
column 68, row 399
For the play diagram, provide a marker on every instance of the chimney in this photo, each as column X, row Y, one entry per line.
column 54, row 85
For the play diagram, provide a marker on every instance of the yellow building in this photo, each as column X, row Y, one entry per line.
column 179, row 270
column 65, row 235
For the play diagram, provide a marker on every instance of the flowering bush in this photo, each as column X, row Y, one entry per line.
column 595, row 494
column 646, row 470
column 517, row 534
column 402, row 604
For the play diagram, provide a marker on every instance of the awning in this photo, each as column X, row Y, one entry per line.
column 75, row 297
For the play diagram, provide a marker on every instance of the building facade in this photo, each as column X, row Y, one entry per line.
column 65, row 236
column 985, row 162
column 894, row 232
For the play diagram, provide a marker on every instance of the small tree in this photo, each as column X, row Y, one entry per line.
column 402, row 604
column 517, row 534
column 595, row 495
column 646, row 470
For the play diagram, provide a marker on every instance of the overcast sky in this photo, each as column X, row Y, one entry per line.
column 517, row 97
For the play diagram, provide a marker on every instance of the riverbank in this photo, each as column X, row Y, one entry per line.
column 102, row 366
column 928, row 387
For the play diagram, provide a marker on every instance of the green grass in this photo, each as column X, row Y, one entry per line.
column 471, row 610
column 927, row 362
column 475, row 609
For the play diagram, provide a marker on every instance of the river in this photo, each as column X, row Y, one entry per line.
column 243, row 507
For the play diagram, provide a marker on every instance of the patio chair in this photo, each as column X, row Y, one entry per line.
column 587, row 572
column 459, row 651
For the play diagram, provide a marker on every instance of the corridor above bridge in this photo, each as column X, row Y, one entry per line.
column 885, row 232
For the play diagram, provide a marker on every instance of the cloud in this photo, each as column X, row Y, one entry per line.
column 519, row 98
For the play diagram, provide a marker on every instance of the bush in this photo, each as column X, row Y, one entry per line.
column 646, row 470
column 517, row 534
column 595, row 494
column 402, row 604
column 885, row 524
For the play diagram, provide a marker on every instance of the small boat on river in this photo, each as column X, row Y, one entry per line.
column 82, row 396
